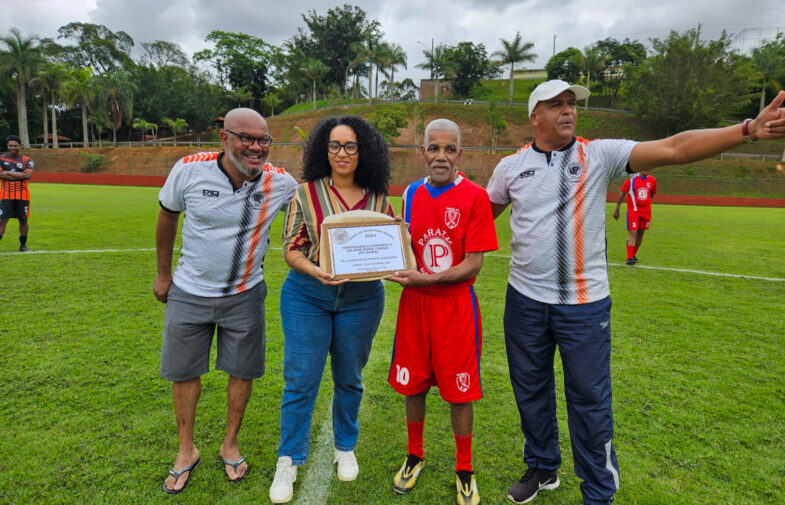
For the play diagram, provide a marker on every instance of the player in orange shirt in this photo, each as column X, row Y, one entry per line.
column 15, row 170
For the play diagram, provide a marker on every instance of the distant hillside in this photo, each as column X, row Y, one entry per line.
column 471, row 119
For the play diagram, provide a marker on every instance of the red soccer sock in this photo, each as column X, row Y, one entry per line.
column 630, row 251
column 414, row 431
column 463, row 453
column 635, row 251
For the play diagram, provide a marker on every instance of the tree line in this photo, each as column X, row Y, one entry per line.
column 86, row 85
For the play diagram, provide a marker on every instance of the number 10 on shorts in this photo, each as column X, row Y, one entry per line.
column 401, row 375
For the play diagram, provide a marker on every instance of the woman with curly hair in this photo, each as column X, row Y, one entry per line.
column 346, row 167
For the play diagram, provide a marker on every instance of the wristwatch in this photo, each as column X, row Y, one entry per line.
column 746, row 131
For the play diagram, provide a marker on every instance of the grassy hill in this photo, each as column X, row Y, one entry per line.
column 729, row 177
column 471, row 119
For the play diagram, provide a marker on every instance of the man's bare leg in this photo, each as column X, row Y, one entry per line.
column 415, row 408
column 462, row 418
column 238, row 391
column 186, row 396
column 639, row 238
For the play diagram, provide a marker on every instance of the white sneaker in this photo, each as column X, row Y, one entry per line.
column 282, row 488
column 347, row 465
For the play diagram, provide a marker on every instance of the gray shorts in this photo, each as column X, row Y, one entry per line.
column 189, row 325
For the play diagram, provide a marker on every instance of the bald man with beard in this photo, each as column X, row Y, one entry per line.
column 229, row 199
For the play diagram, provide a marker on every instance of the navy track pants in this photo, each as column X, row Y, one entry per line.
column 582, row 333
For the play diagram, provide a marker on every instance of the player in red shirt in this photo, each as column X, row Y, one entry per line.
column 640, row 189
column 15, row 170
column 438, row 336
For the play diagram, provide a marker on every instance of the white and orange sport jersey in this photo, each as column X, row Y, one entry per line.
column 225, row 232
column 558, row 217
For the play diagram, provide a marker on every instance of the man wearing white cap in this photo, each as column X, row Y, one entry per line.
column 558, row 291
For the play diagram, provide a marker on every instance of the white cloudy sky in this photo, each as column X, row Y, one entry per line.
column 414, row 23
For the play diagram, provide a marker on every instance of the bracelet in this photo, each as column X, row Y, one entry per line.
column 745, row 130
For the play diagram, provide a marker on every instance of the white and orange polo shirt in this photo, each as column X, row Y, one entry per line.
column 225, row 232
column 558, row 217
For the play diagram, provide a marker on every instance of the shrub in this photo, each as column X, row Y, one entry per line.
column 93, row 162
column 387, row 120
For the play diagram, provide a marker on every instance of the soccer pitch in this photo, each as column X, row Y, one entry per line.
column 698, row 367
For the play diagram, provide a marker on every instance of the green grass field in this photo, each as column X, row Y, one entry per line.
column 698, row 369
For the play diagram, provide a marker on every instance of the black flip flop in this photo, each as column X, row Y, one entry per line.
column 177, row 473
column 234, row 464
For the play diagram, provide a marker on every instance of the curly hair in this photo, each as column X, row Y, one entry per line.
column 373, row 165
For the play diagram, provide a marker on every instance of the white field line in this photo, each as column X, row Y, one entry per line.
column 315, row 484
column 681, row 270
column 79, row 251
column 507, row 256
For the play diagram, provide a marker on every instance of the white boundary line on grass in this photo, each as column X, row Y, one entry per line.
column 79, row 251
column 507, row 256
column 682, row 270
column 315, row 484
column 702, row 272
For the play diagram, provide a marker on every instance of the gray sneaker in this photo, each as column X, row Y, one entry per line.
column 531, row 483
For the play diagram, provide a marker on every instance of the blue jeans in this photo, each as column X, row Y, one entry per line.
column 318, row 319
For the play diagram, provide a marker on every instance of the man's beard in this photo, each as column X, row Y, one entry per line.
column 239, row 165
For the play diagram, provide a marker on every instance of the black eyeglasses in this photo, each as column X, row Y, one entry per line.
column 248, row 140
column 351, row 148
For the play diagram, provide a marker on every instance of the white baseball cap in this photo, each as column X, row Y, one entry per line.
column 553, row 88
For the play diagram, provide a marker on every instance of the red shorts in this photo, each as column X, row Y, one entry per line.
column 638, row 220
column 438, row 340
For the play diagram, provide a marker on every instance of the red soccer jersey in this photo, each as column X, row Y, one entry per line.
column 447, row 222
column 640, row 191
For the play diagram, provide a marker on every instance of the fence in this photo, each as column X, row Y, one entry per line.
column 467, row 102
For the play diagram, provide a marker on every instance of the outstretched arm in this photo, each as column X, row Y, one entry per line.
column 694, row 145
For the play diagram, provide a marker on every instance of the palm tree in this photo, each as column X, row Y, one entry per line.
column 50, row 80
column 382, row 59
column 38, row 82
column 436, row 62
column 19, row 60
column 357, row 65
column 175, row 125
column 513, row 52
column 100, row 121
column 589, row 59
column 371, row 52
column 239, row 94
column 768, row 60
column 81, row 88
column 141, row 124
column 271, row 100
column 397, row 56
column 315, row 70
column 117, row 92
